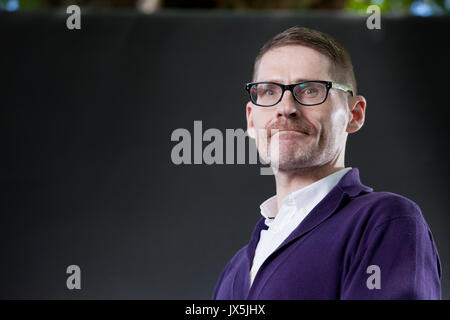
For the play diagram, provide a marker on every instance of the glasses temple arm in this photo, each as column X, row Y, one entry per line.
column 342, row 87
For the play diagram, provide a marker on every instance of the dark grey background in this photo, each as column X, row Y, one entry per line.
column 87, row 116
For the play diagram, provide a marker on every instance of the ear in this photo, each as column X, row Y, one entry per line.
column 357, row 114
column 250, row 126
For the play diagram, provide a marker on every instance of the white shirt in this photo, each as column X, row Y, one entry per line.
column 293, row 210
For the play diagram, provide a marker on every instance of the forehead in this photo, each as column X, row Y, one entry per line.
column 289, row 64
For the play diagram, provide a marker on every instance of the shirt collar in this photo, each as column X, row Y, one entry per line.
column 307, row 197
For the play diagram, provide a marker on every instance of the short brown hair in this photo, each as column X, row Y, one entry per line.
column 342, row 68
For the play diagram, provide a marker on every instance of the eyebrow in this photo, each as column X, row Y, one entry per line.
column 281, row 81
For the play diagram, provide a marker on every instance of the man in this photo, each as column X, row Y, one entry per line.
column 324, row 235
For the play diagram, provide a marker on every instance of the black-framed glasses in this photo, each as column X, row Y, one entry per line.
column 307, row 93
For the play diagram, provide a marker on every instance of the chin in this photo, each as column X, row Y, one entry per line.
column 292, row 162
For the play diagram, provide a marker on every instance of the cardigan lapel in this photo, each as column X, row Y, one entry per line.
column 349, row 185
column 251, row 247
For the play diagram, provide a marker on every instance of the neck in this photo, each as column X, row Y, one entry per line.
column 290, row 181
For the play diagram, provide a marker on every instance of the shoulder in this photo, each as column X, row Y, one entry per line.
column 389, row 201
column 239, row 254
column 236, row 260
column 382, row 207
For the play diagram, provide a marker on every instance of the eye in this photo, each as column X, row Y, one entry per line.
column 307, row 90
column 310, row 91
column 267, row 90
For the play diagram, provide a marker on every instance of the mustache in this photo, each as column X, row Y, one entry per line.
column 288, row 126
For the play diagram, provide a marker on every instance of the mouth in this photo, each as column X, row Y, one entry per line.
column 290, row 133
column 289, row 136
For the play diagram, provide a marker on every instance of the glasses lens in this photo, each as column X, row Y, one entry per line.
column 265, row 94
column 310, row 92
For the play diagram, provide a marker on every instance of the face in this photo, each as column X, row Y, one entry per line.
column 291, row 136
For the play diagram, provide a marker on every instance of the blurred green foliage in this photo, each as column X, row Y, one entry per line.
column 361, row 5
column 28, row 4
column 416, row 7
column 400, row 6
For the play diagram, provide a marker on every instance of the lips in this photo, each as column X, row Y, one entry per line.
column 286, row 131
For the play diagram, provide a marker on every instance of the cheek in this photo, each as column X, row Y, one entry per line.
column 329, row 124
column 336, row 124
column 260, row 118
column 317, row 120
column 339, row 119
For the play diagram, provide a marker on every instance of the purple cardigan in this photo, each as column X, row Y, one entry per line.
column 335, row 251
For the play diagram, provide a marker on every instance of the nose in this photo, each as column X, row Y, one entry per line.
column 287, row 107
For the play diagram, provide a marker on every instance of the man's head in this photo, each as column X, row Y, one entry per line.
column 313, row 135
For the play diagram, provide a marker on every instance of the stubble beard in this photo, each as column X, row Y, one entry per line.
column 291, row 156
column 287, row 156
